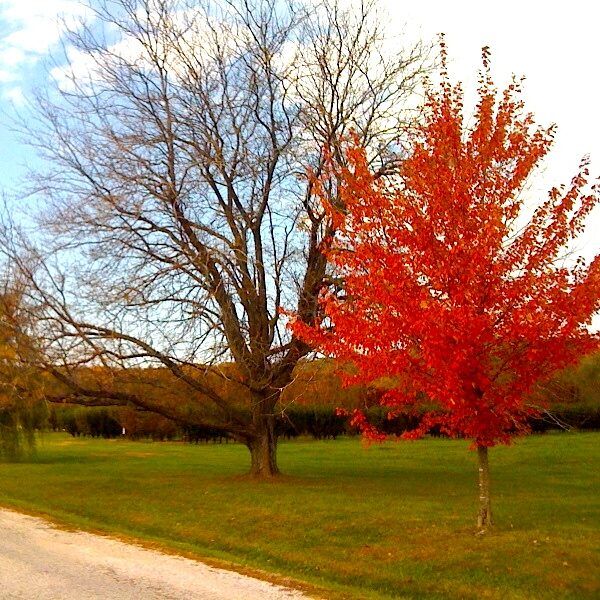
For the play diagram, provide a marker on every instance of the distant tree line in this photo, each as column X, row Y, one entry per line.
column 318, row 422
column 312, row 409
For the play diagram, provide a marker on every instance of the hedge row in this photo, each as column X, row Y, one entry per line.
column 316, row 422
column 91, row 422
column 573, row 417
column 323, row 423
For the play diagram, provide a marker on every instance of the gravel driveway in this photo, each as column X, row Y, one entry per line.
column 38, row 561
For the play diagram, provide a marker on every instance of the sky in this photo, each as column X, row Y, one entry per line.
column 29, row 31
column 555, row 45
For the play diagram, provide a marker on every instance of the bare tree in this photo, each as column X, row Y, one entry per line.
column 179, row 213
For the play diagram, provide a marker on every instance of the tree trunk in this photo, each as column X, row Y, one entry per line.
column 263, row 450
column 484, row 519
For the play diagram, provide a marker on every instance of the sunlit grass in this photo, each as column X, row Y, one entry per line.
column 390, row 521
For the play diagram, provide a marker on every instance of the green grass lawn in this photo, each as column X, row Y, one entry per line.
column 391, row 521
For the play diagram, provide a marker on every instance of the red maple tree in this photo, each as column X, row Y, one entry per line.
column 445, row 284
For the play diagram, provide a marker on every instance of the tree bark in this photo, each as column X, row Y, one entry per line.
column 263, row 450
column 484, row 519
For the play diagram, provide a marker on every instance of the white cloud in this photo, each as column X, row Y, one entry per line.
column 83, row 67
column 12, row 56
column 14, row 95
column 78, row 67
column 6, row 76
column 33, row 27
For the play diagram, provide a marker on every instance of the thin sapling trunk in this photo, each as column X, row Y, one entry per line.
column 484, row 518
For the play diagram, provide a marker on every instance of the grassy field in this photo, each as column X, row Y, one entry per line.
column 391, row 521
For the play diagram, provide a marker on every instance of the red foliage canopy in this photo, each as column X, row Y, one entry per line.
column 445, row 283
